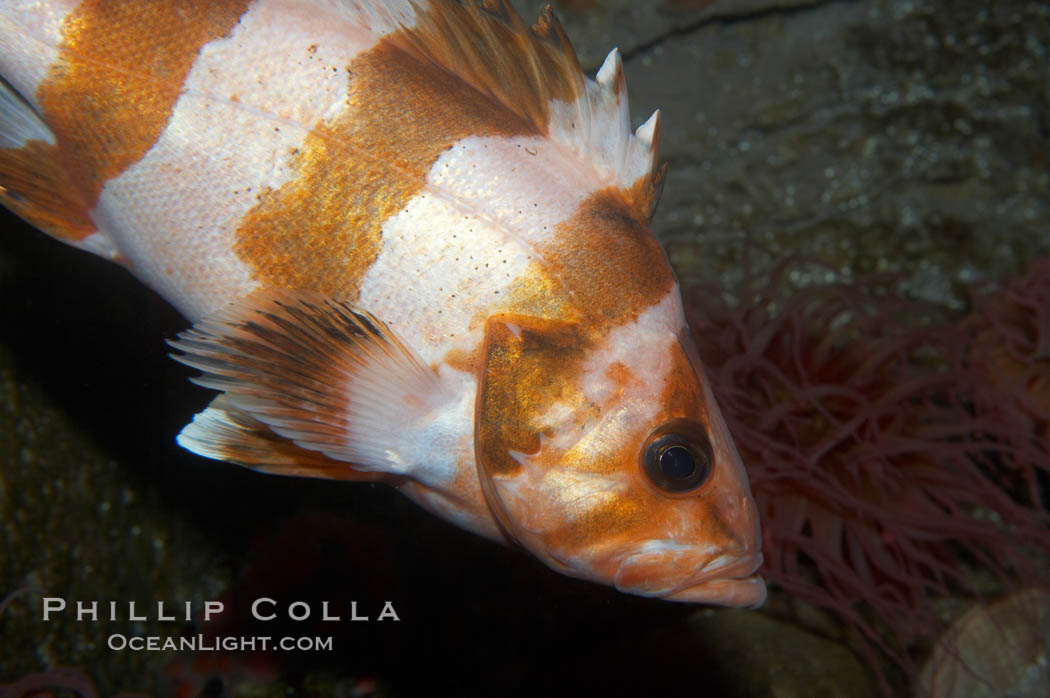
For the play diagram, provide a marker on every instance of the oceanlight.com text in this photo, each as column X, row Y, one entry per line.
column 231, row 643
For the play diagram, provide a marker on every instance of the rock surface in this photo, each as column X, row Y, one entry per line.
column 910, row 136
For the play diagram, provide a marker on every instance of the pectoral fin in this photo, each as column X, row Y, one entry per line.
column 226, row 433
column 330, row 379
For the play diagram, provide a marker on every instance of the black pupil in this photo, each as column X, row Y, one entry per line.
column 678, row 457
column 677, row 463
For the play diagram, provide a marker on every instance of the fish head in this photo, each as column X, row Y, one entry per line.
column 608, row 458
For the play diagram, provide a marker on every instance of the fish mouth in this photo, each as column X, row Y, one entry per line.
column 726, row 580
column 730, row 582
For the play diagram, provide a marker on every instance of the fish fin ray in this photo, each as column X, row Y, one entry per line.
column 19, row 122
column 318, row 372
column 34, row 183
column 535, row 72
column 226, row 433
column 487, row 45
column 597, row 127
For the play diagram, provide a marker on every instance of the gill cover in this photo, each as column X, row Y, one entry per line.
column 528, row 366
column 557, row 464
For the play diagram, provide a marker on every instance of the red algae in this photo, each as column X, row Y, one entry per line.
column 874, row 459
column 1009, row 356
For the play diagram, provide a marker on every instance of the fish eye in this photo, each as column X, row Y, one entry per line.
column 677, row 456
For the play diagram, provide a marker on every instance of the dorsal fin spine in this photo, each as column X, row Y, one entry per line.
column 610, row 74
column 535, row 73
column 649, row 132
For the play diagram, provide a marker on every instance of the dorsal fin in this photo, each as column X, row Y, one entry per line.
column 535, row 72
column 487, row 45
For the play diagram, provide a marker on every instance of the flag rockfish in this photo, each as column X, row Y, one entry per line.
column 413, row 239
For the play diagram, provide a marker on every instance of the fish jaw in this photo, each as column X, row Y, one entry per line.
column 724, row 581
column 686, row 569
column 746, row 592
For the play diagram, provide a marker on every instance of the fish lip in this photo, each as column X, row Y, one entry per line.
column 734, row 583
column 726, row 580
column 742, row 592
